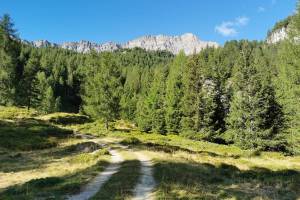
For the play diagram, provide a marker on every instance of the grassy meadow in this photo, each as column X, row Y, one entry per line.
column 42, row 158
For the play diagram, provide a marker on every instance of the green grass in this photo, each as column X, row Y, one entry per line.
column 207, row 181
column 65, row 118
column 87, row 157
column 16, row 113
column 40, row 159
column 30, row 134
column 53, row 187
column 120, row 186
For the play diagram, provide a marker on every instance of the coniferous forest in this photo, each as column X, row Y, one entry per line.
column 245, row 93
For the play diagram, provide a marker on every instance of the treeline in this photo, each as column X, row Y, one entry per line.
column 245, row 93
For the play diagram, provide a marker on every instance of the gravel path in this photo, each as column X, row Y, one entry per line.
column 145, row 187
column 94, row 186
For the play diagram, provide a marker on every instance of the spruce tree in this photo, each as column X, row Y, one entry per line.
column 102, row 91
column 29, row 82
column 156, row 98
column 287, row 82
column 131, row 92
column 9, row 51
column 45, row 95
column 190, row 99
column 151, row 109
column 174, row 93
column 255, row 116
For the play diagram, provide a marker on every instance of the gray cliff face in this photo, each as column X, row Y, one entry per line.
column 188, row 42
column 86, row 46
column 43, row 43
column 278, row 35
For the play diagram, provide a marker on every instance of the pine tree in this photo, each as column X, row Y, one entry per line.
column 102, row 91
column 46, row 101
column 190, row 99
column 255, row 117
column 29, row 82
column 9, row 50
column 151, row 108
column 7, row 27
column 202, row 97
column 143, row 114
column 174, row 93
column 287, row 82
column 156, row 98
column 130, row 94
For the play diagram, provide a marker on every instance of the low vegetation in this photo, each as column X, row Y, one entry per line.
column 42, row 160
column 203, row 169
column 121, row 185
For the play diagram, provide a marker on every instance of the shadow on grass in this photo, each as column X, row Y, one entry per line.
column 53, row 187
column 69, row 119
column 167, row 148
column 22, row 161
column 30, row 134
column 82, row 147
column 121, row 184
column 205, row 181
column 19, row 139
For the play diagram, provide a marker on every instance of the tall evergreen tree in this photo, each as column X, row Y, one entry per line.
column 46, row 101
column 287, row 81
column 191, row 96
column 255, row 117
column 29, row 82
column 102, row 91
column 174, row 93
column 9, row 50
column 151, row 109
column 131, row 92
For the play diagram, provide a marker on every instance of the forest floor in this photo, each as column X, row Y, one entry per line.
column 60, row 156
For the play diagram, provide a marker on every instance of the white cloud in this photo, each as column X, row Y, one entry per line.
column 226, row 29
column 261, row 9
column 241, row 21
column 229, row 28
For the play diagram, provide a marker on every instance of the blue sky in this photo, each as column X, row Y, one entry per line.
column 122, row 20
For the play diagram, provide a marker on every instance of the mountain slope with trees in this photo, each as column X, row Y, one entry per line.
column 246, row 92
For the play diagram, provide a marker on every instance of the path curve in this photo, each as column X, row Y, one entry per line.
column 94, row 186
column 146, row 185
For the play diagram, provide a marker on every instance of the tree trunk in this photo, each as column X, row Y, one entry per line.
column 106, row 124
column 28, row 105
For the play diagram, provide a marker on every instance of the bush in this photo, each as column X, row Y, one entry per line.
column 16, row 113
column 29, row 135
column 193, row 135
column 66, row 118
column 131, row 141
column 89, row 157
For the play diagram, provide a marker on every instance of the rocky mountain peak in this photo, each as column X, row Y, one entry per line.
column 187, row 42
column 43, row 43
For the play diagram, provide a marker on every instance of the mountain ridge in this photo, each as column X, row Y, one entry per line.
column 187, row 42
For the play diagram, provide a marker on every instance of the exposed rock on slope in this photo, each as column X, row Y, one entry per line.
column 188, row 42
column 277, row 36
column 43, row 43
column 86, row 46
column 280, row 31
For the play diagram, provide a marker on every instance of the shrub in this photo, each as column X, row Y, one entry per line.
column 16, row 112
column 131, row 141
column 66, row 118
